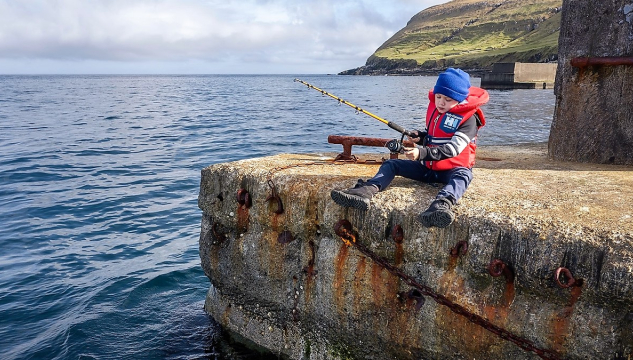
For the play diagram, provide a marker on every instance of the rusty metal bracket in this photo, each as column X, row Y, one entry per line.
column 397, row 234
column 349, row 141
column 343, row 228
column 569, row 282
column 244, row 199
column 498, row 268
column 274, row 196
column 459, row 249
column 582, row 62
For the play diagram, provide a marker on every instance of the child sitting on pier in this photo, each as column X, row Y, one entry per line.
column 445, row 152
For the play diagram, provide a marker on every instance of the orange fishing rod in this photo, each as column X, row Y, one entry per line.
column 391, row 124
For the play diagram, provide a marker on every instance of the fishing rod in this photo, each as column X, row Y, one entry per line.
column 391, row 124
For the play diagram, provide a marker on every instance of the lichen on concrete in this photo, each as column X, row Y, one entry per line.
column 316, row 293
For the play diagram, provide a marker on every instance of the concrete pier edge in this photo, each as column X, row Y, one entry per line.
column 315, row 298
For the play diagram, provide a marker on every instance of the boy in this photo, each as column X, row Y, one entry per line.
column 445, row 152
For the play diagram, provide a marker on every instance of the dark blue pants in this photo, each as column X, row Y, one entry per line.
column 456, row 180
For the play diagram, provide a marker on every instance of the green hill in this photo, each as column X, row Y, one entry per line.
column 471, row 34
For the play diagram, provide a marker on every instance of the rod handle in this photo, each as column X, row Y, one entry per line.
column 400, row 129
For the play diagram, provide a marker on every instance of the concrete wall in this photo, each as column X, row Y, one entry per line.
column 503, row 68
column 593, row 120
column 316, row 298
column 520, row 76
column 525, row 72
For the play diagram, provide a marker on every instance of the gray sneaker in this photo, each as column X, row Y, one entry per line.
column 357, row 197
column 438, row 214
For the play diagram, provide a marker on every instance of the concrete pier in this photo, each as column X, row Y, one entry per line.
column 593, row 121
column 520, row 76
column 282, row 277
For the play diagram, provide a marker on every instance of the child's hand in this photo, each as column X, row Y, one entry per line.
column 412, row 153
column 414, row 139
column 415, row 136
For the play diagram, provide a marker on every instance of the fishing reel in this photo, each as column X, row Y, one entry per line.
column 395, row 145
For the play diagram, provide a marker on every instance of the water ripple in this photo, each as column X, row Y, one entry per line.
column 99, row 177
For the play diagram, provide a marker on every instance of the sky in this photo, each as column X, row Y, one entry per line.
column 196, row 36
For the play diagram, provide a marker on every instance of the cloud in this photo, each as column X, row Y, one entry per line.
column 247, row 31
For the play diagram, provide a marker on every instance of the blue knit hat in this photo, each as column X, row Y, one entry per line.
column 453, row 83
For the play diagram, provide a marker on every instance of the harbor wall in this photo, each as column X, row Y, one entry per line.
column 284, row 278
column 520, row 76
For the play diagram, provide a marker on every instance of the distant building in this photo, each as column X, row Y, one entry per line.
column 520, row 76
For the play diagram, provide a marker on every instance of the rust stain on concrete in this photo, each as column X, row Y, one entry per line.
column 340, row 265
column 560, row 321
column 399, row 254
column 273, row 254
column 242, row 219
column 378, row 285
column 508, row 197
column 310, row 273
column 359, row 285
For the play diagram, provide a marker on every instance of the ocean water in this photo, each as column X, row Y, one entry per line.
column 99, row 178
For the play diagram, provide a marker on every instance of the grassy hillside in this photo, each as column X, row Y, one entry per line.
column 472, row 34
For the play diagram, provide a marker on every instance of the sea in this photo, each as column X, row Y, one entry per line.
column 99, row 179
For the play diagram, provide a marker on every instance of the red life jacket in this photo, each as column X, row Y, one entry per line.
column 442, row 127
